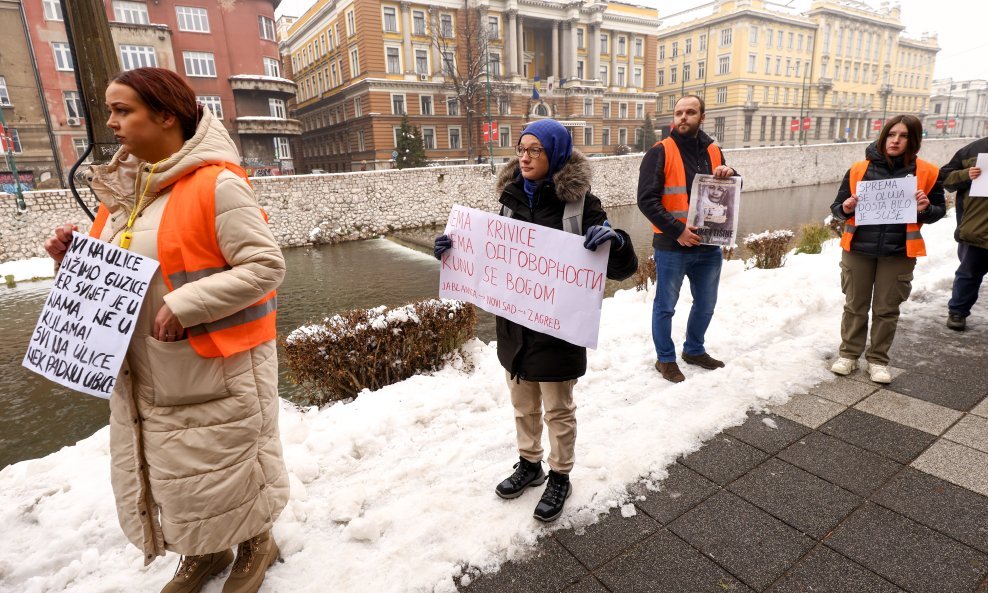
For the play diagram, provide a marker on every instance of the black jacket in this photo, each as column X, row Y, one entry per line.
column 526, row 353
column 651, row 182
column 955, row 174
column 881, row 240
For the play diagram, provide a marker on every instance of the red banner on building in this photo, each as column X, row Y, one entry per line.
column 794, row 125
column 939, row 124
column 806, row 123
column 487, row 131
column 951, row 123
column 877, row 125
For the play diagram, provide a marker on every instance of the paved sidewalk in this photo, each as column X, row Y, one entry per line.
column 851, row 488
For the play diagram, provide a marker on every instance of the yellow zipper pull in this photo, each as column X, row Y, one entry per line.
column 125, row 239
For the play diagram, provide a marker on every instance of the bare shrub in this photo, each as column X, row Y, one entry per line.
column 371, row 348
column 645, row 273
column 769, row 248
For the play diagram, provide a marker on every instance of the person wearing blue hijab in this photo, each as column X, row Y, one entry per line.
column 541, row 370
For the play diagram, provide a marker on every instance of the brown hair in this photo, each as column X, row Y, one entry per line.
column 163, row 91
column 914, row 134
column 703, row 105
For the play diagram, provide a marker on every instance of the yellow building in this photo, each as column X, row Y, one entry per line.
column 771, row 77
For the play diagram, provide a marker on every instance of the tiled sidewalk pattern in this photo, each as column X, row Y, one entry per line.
column 853, row 487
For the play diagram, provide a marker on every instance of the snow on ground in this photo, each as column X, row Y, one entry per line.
column 28, row 269
column 394, row 491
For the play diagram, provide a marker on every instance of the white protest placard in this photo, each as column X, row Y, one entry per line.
column 88, row 318
column 538, row 277
column 979, row 186
column 886, row 201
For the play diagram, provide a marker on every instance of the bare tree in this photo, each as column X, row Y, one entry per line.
column 464, row 54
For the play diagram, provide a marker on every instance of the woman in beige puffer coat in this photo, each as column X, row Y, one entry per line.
column 197, row 464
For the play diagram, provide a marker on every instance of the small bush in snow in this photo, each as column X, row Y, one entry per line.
column 371, row 348
column 812, row 236
column 645, row 273
column 769, row 248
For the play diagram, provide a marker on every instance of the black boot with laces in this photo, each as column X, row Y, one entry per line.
column 556, row 492
column 526, row 474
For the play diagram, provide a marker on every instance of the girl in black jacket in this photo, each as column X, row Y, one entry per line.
column 878, row 259
column 541, row 370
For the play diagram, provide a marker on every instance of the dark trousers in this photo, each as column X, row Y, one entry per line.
column 967, row 278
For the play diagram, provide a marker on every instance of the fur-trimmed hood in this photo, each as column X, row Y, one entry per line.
column 572, row 182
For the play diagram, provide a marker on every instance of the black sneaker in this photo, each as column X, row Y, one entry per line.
column 956, row 322
column 556, row 492
column 526, row 474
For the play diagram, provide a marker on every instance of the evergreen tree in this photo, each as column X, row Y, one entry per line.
column 648, row 134
column 411, row 151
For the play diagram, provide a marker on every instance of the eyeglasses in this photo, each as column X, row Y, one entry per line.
column 534, row 152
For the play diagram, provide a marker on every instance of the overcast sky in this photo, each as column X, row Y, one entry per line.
column 961, row 25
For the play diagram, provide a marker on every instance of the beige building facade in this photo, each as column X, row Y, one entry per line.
column 360, row 65
column 773, row 78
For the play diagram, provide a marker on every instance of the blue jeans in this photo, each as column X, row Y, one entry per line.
column 967, row 278
column 703, row 270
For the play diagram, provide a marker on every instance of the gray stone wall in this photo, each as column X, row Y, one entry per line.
column 309, row 209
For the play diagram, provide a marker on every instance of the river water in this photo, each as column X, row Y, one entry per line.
column 38, row 417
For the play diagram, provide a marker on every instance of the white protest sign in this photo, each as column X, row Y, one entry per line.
column 886, row 201
column 979, row 186
column 538, row 277
column 85, row 326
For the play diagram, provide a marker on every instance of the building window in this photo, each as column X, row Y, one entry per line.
column 724, row 65
column 604, row 38
column 393, row 59
column 603, row 75
column 673, row 75
column 133, row 13
column 725, row 37
column 688, row 45
column 761, row 130
column 640, row 48
column 701, row 70
column 588, row 107
column 605, row 137
column 446, row 25
column 265, row 28
column 351, row 24
column 703, row 42
column 272, row 67
column 390, row 19
column 282, row 151
column 200, row 64
column 495, row 63
column 606, row 110
column 493, row 27
column 418, row 22
column 73, row 103
column 662, row 52
column 425, row 104
column 638, row 77
column 454, row 137
column 212, row 103
column 15, row 140
column 192, row 18
column 660, row 77
column 277, row 108
column 80, row 145
column 588, row 136
column 422, row 61
column 640, row 111
column 622, row 135
column 452, row 106
column 429, row 138
column 504, row 106
column 639, row 136
column 719, row 124
column 137, row 56
column 354, row 63
column 686, row 72
column 53, row 10
column 753, row 35
column 504, row 138
column 449, row 63
column 360, row 141
column 751, row 62
column 675, row 48
column 623, row 110
column 621, row 81
column 622, row 46
column 63, row 56
column 747, row 128
column 580, row 71
column 579, row 38
column 358, row 110
column 722, row 94
column 398, row 104
column 4, row 94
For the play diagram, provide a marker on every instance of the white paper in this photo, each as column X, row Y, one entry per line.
column 886, row 201
column 538, row 277
column 84, row 329
column 715, row 204
column 979, row 187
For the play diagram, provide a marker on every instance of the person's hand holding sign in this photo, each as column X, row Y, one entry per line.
column 851, row 203
column 599, row 234
column 922, row 201
column 723, row 172
column 688, row 238
column 58, row 245
column 974, row 173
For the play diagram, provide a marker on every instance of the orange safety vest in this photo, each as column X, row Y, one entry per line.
column 188, row 250
column 674, row 197
column 926, row 178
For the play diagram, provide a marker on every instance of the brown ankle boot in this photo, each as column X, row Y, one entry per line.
column 193, row 571
column 254, row 556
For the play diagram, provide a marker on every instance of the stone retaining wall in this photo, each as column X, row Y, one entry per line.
column 307, row 209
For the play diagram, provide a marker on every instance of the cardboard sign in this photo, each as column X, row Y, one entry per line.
column 85, row 326
column 538, row 277
column 886, row 201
